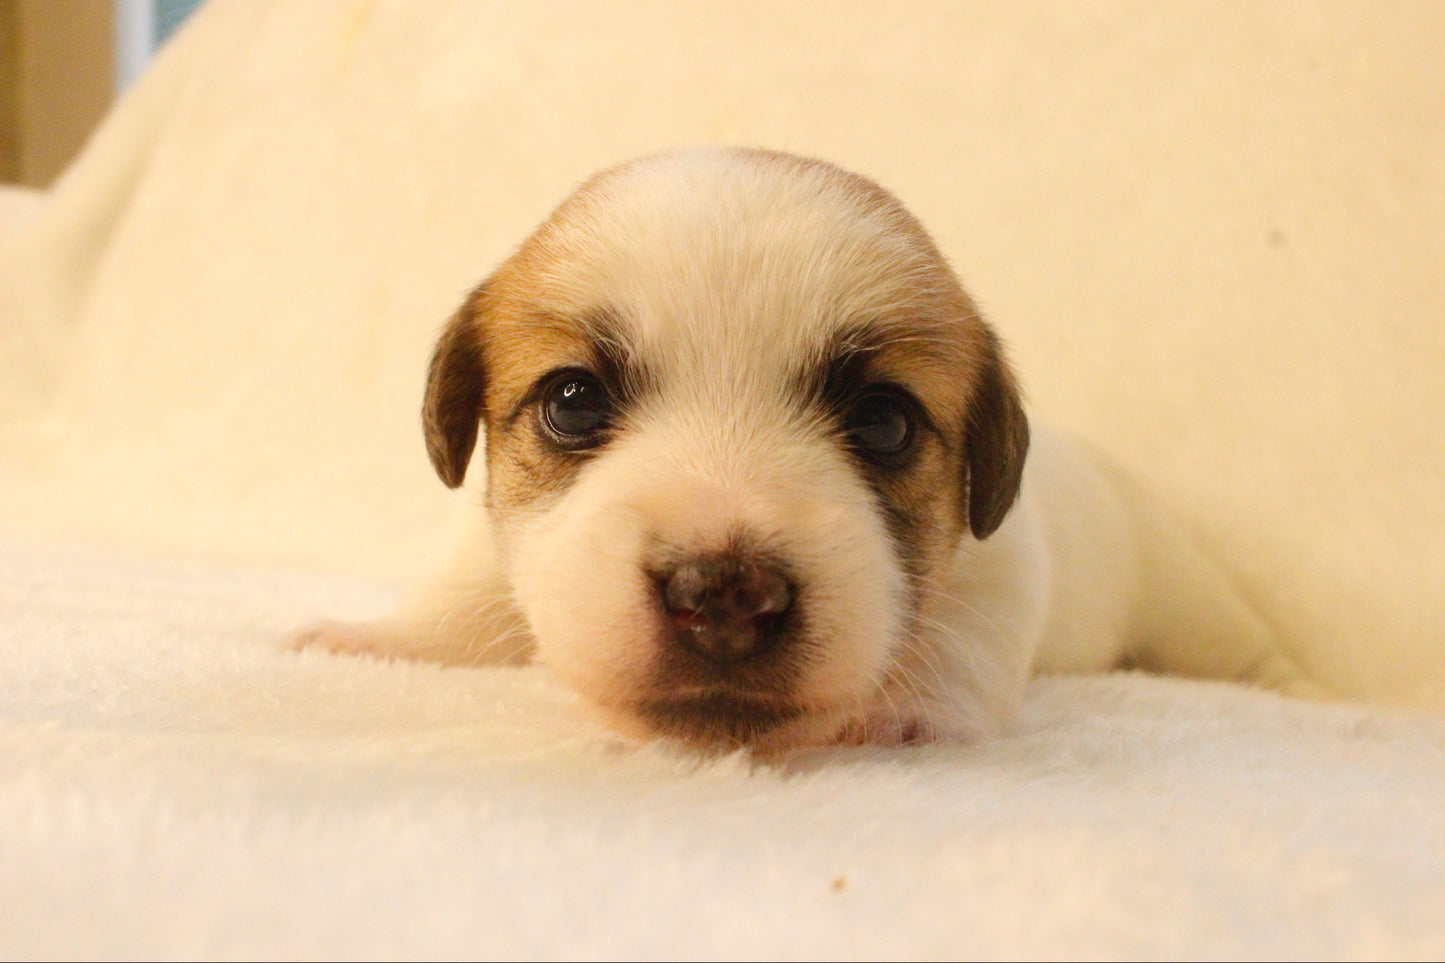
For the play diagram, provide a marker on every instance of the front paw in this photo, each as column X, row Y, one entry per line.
column 914, row 721
column 345, row 638
column 449, row 640
column 885, row 728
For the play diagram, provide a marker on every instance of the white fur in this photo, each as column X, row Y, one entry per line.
column 728, row 275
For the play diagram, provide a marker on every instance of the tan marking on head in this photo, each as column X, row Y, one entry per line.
column 956, row 370
column 453, row 404
column 521, row 347
column 724, row 275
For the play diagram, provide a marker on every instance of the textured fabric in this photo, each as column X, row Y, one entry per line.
column 1212, row 236
column 172, row 787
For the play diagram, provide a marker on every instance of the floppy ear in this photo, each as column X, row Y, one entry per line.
column 998, row 440
column 454, row 394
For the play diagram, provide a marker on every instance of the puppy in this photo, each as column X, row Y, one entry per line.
column 757, row 474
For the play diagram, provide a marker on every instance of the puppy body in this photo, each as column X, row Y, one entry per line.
column 754, row 475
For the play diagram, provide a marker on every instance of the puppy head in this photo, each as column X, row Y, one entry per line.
column 738, row 416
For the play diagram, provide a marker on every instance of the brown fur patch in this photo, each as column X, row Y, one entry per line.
column 524, row 470
column 997, row 439
column 454, row 392
column 935, row 343
column 939, row 374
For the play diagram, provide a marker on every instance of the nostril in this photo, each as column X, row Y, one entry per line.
column 688, row 586
column 725, row 607
column 765, row 591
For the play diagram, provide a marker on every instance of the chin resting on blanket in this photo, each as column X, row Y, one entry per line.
column 758, row 474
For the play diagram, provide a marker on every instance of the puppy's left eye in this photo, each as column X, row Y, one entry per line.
column 881, row 424
column 576, row 410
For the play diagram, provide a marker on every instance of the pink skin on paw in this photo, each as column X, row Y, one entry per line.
column 338, row 638
column 880, row 732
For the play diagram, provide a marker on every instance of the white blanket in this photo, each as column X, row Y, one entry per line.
column 1213, row 237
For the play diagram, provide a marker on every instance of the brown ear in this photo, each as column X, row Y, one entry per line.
column 454, row 395
column 998, row 440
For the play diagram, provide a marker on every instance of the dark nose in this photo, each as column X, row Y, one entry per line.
column 724, row 607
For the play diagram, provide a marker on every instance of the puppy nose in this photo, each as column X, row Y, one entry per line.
column 724, row 607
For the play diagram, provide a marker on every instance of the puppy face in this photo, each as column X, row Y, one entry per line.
column 738, row 417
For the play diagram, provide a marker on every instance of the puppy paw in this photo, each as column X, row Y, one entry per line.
column 887, row 729
column 425, row 641
column 912, row 721
column 344, row 638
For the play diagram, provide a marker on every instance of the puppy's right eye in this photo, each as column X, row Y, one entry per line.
column 576, row 410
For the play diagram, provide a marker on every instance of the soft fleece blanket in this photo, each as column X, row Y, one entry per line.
column 1213, row 237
